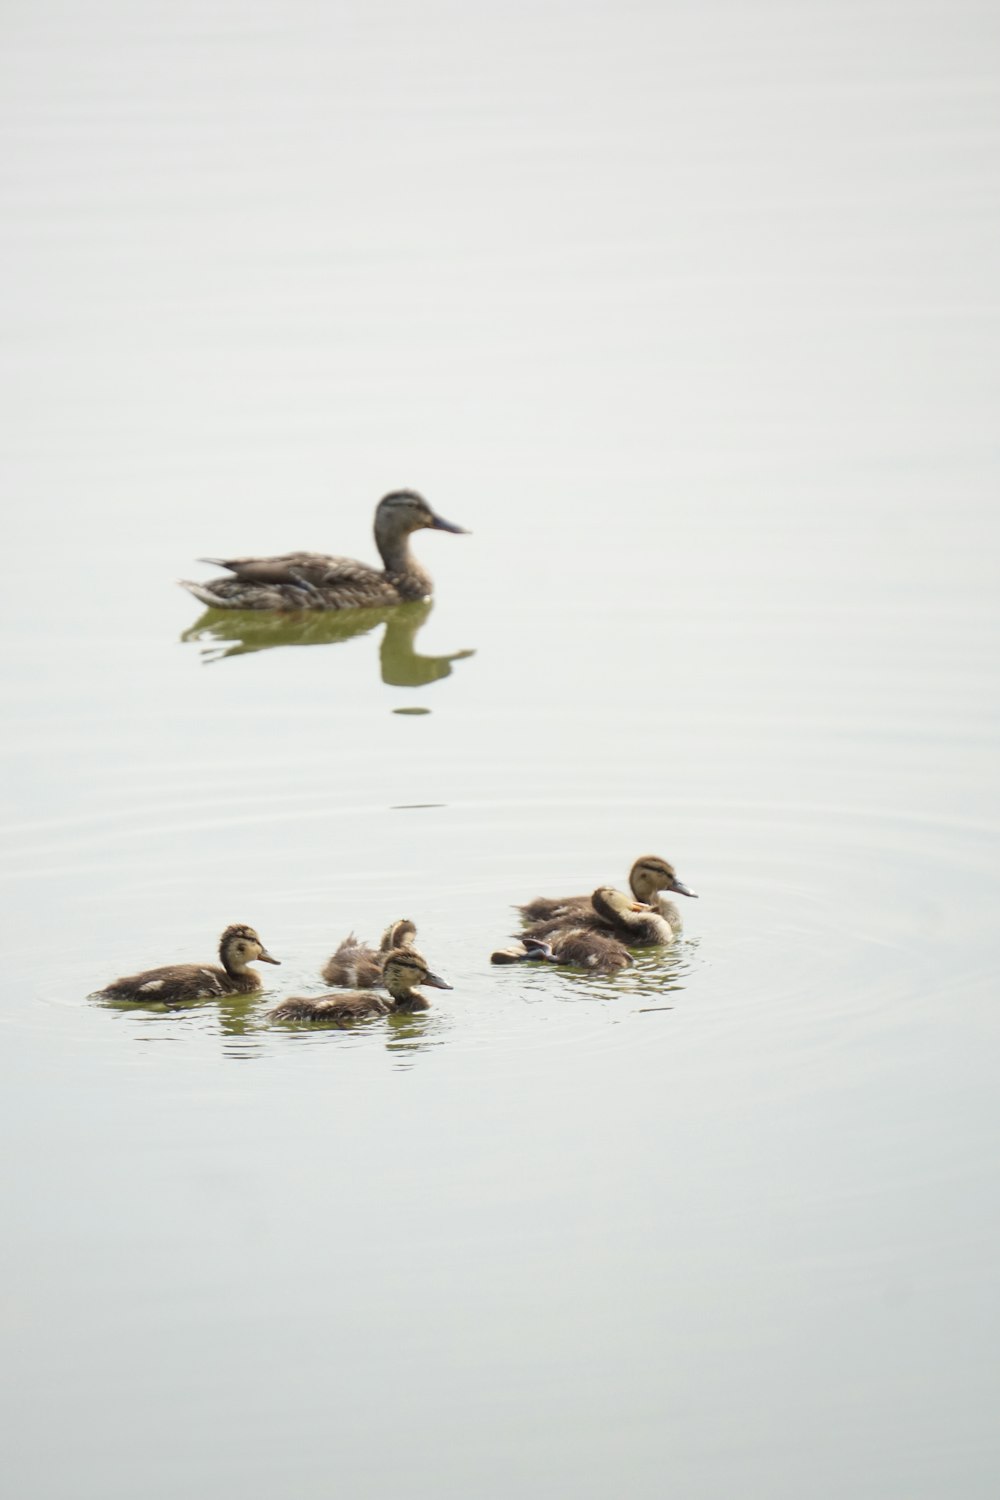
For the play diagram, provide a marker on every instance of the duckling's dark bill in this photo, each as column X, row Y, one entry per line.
column 435, row 983
column 265, row 958
column 440, row 524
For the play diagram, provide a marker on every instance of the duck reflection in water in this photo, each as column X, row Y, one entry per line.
column 409, row 1034
column 234, row 632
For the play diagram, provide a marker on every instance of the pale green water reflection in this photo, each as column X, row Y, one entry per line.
column 240, row 631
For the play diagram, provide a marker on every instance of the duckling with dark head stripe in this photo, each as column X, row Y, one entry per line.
column 238, row 947
column 649, row 878
column 614, row 913
column 402, row 971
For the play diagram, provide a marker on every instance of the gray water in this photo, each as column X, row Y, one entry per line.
column 689, row 315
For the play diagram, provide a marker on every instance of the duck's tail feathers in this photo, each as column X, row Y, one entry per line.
column 204, row 594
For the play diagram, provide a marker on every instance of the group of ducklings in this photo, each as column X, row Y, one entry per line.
column 596, row 932
column 396, row 965
column 591, row 932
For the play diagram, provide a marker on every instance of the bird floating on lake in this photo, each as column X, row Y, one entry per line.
column 403, row 970
column 238, row 947
column 312, row 580
column 357, row 963
column 649, row 878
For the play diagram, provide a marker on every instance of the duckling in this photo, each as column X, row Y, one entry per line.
column 238, row 947
column 357, row 963
column 648, row 876
column 581, row 947
column 611, row 911
column 402, row 971
column 633, row 922
column 311, row 580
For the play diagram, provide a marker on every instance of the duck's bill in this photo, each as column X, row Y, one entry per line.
column 434, row 982
column 440, row 524
column 683, row 890
column 265, row 958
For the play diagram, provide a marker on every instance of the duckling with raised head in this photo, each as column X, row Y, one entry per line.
column 648, row 878
column 403, row 970
column 238, row 947
column 357, row 963
column 312, row 580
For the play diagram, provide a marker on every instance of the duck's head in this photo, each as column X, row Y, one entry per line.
column 403, row 511
column 650, row 874
column 614, row 905
column 398, row 935
column 240, row 946
column 404, row 970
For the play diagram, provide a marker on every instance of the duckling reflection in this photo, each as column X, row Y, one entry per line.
column 177, row 984
column 403, row 970
column 237, row 632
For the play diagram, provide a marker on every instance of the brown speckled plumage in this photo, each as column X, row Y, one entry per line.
column 595, row 932
column 312, row 580
column 358, row 963
column 580, row 947
column 613, row 912
column 402, row 970
column 238, row 947
column 631, row 921
column 649, row 876
column 332, row 1010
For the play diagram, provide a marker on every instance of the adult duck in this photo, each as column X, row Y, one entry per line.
column 313, row 580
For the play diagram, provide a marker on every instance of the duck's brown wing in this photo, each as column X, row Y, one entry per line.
column 173, row 982
column 345, row 585
column 545, row 907
column 333, row 1009
column 583, row 917
column 291, row 567
column 586, row 949
column 282, row 569
column 354, row 963
column 353, row 585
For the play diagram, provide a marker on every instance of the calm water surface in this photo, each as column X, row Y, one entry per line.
column 689, row 315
